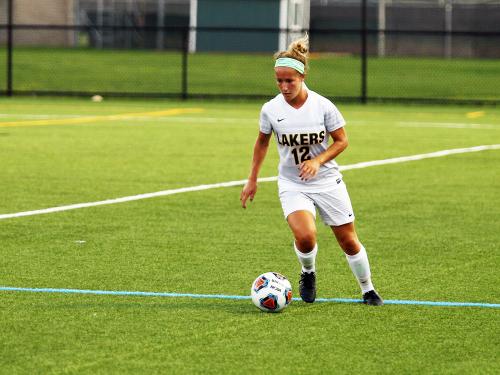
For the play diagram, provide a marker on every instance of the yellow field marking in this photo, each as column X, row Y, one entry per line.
column 87, row 119
column 475, row 114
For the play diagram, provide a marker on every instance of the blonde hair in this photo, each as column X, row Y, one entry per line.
column 298, row 50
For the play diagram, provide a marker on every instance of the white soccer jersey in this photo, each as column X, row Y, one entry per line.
column 302, row 134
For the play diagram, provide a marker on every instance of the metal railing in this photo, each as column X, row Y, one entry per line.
column 345, row 63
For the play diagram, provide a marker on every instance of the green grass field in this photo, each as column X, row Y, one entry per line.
column 84, row 70
column 430, row 227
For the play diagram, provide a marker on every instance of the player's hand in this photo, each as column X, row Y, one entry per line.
column 309, row 169
column 249, row 191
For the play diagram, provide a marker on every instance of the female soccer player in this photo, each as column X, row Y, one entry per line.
column 309, row 178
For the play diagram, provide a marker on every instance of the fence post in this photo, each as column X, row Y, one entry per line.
column 364, row 52
column 185, row 53
column 10, row 42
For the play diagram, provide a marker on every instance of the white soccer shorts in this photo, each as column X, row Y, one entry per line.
column 334, row 206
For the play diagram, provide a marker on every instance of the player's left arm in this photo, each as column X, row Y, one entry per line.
column 310, row 168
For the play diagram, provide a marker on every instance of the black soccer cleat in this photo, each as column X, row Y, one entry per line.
column 372, row 298
column 307, row 286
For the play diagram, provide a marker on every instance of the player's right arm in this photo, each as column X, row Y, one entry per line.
column 259, row 154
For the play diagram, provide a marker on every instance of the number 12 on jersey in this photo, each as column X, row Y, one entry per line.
column 301, row 154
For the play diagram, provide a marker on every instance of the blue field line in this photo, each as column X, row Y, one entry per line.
column 120, row 293
column 232, row 297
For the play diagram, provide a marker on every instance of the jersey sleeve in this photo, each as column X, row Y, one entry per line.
column 264, row 123
column 333, row 118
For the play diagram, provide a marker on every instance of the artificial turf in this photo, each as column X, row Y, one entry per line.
column 430, row 228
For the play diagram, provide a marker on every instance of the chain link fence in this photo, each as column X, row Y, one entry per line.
column 363, row 50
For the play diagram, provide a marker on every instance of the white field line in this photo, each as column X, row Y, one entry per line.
column 147, row 118
column 366, row 164
column 218, row 120
column 133, row 118
column 403, row 159
column 451, row 125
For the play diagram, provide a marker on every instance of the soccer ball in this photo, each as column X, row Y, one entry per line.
column 271, row 292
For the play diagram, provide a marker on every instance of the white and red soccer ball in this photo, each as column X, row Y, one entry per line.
column 271, row 292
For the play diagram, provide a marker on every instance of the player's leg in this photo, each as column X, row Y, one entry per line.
column 303, row 226
column 336, row 211
column 357, row 258
column 300, row 213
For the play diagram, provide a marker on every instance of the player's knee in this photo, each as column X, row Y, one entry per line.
column 349, row 244
column 305, row 241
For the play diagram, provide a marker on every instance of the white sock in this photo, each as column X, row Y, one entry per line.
column 307, row 260
column 361, row 269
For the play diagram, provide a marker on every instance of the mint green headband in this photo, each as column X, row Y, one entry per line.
column 290, row 63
